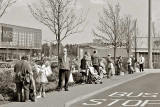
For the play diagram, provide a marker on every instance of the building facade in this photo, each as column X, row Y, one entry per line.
column 103, row 51
column 142, row 49
column 16, row 41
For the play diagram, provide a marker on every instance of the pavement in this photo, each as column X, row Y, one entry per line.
column 80, row 92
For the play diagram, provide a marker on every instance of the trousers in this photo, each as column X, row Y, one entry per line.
column 22, row 87
column 63, row 74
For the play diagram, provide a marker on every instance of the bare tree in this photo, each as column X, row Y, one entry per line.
column 110, row 26
column 129, row 33
column 59, row 17
column 4, row 4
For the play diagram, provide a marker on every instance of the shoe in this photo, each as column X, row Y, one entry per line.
column 39, row 96
column 59, row 89
column 66, row 89
column 82, row 83
column 27, row 101
column 43, row 94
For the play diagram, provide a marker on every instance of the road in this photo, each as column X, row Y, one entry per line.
column 141, row 92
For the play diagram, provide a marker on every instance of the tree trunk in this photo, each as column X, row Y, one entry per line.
column 58, row 42
column 115, row 51
column 129, row 45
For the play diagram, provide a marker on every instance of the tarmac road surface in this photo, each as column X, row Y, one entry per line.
column 141, row 92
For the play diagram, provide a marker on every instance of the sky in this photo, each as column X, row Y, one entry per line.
column 20, row 15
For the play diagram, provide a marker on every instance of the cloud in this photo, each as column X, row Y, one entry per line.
column 97, row 1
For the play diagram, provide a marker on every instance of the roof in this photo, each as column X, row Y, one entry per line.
column 9, row 25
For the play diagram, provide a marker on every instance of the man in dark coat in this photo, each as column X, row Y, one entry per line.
column 64, row 70
column 95, row 61
column 23, row 78
column 83, row 67
column 109, row 66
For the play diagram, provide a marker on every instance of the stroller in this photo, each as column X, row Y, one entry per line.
column 93, row 77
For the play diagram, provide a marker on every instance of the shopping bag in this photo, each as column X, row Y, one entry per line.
column 71, row 78
column 48, row 71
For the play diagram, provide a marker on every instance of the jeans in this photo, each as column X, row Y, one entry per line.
column 26, row 87
column 22, row 87
column 130, row 69
column 19, row 86
column 141, row 67
column 109, row 73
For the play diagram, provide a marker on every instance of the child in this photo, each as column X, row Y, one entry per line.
column 43, row 80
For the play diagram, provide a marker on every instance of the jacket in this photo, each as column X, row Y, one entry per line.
column 22, row 68
column 83, row 64
column 65, row 65
column 95, row 59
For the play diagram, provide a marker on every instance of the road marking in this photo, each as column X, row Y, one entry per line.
column 115, row 101
column 132, row 94
column 150, row 102
column 94, row 102
column 68, row 104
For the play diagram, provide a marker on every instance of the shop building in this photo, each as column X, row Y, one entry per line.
column 16, row 41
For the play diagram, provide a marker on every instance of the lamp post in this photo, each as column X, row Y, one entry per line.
column 149, row 36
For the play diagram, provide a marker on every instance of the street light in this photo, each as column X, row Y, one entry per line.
column 149, row 36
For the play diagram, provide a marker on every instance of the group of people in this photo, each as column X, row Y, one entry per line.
column 135, row 65
column 90, row 68
column 94, row 68
column 31, row 78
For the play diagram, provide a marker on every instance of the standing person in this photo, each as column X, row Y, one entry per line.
column 88, row 59
column 141, row 63
column 133, row 63
column 64, row 70
column 24, row 79
column 83, row 67
column 95, row 61
column 109, row 66
column 103, row 66
column 42, row 76
column 119, row 65
column 130, row 69
column 46, row 66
